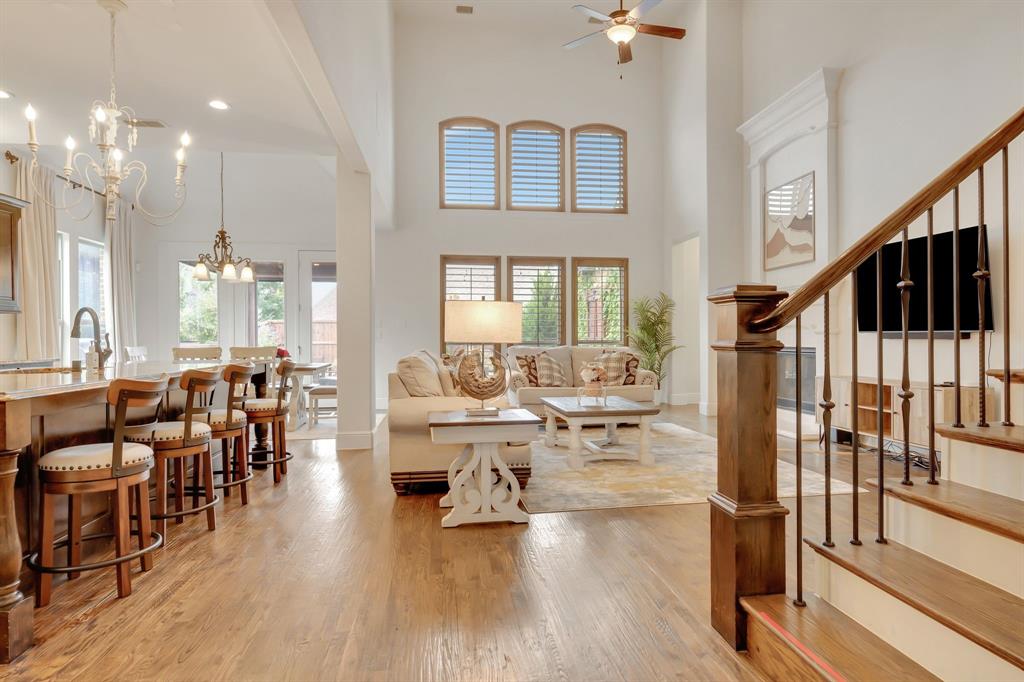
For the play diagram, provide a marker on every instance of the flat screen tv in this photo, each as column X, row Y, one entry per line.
column 892, row 254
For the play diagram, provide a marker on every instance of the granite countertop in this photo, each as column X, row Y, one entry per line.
column 15, row 386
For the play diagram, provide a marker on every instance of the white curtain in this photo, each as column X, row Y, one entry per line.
column 119, row 239
column 37, row 326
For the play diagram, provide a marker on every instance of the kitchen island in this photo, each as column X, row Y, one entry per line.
column 42, row 409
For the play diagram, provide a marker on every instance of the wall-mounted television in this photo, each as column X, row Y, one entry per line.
column 892, row 316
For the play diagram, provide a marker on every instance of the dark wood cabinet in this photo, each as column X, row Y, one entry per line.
column 10, row 217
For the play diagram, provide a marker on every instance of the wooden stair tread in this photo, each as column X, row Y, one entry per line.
column 984, row 614
column 995, row 513
column 994, row 435
column 1016, row 375
column 827, row 639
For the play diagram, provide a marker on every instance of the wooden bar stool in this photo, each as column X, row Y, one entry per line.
column 174, row 441
column 230, row 425
column 115, row 467
column 274, row 411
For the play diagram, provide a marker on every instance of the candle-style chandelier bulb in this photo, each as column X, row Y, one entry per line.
column 106, row 118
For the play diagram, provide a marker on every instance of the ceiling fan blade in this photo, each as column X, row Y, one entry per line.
column 662, row 31
column 580, row 41
column 625, row 53
column 643, row 8
column 592, row 12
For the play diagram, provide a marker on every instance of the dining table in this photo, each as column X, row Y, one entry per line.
column 304, row 376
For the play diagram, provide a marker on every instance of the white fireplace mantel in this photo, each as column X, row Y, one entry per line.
column 792, row 136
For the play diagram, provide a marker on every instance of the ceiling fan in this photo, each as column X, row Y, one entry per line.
column 621, row 27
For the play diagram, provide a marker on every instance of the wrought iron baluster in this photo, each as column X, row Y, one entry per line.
column 957, row 410
column 880, row 398
column 799, row 601
column 905, row 285
column 932, row 461
column 826, row 405
column 981, row 275
column 1006, row 288
column 854, row 414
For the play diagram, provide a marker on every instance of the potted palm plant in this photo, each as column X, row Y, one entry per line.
column 651, row 334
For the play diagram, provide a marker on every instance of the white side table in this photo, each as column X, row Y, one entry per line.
column 476, row 494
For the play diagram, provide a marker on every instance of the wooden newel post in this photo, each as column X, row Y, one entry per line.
column 748, row 524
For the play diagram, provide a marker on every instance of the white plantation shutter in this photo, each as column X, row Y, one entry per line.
column 539, row 284
column 599, row 169
column 467, row 278
column 535, row 165
column 469, row 163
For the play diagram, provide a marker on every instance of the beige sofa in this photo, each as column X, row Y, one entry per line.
column 414, row 457
column 572, row 359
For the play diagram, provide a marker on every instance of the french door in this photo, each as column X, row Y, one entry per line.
column 318, row 307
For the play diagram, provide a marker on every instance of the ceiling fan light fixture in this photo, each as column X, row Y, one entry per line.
column 621, row 33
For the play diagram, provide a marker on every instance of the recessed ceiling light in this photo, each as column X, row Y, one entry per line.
column 219, row 104
column 6, row 95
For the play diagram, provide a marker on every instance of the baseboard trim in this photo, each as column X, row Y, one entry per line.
column 684, row 398
column 354, row 440
column 708, row 409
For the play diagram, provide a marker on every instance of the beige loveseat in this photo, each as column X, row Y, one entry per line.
column 572, row 359
column 414, row 457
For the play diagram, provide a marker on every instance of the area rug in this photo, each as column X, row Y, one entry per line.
column 685, row 472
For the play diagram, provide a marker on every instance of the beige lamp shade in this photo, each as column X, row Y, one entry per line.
column 483, row 322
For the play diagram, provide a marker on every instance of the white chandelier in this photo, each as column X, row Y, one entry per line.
column 110, row 170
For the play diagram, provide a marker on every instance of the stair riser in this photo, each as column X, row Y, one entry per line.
column 993, row 469
column 932, row 645
column 777, row 661
column 993, row 558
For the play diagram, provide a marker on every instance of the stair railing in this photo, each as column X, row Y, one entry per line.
column 747, row 520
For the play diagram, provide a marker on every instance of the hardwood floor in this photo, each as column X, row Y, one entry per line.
column 331, row 576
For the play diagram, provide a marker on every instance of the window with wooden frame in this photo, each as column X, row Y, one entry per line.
column 535, row 166
column 468, row 170
column 600, row 291
column 468, row 278
column 599, row 183
column 539, row 284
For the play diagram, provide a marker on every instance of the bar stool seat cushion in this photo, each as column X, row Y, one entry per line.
column 165, row 431
column 261, row 405
column 217, row 418
column 93, row 456
column 324, row 391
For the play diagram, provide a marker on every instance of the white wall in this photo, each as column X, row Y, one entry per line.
column 685, row 362
column 354, row 41
column 921, row 85
column 275, row 206
column 442, row 72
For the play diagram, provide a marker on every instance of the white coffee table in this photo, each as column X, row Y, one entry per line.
column 615, row 411
column 475, row 494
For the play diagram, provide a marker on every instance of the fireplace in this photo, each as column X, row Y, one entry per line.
column 785, row 397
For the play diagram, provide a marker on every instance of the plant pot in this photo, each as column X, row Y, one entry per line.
column 659, row 395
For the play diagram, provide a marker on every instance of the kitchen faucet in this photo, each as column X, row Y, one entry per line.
column 76, row 333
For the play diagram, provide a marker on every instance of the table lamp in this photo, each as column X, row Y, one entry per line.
column 482, row 322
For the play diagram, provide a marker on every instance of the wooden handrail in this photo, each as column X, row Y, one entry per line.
column 834, row 272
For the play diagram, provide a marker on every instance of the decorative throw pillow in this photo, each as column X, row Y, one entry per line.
column 445, row 366
column 621, row 367
column 549, row 371
column 528, row 366
column 419, row 377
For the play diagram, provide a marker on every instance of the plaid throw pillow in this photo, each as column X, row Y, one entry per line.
column 549, row 371
column 621, row 367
